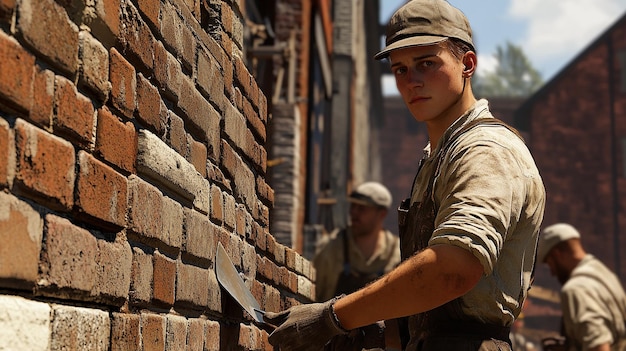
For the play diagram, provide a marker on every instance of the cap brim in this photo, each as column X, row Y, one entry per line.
column 419, row 40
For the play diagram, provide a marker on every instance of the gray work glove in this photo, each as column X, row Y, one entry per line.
column 305, row 327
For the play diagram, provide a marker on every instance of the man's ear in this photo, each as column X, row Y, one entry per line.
column 470, row 62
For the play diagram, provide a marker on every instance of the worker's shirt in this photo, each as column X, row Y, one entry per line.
column 594, row 306
column 490, row 200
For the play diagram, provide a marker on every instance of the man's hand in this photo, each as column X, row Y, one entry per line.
column 304, row 327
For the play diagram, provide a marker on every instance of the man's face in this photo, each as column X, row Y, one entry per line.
column 364, row 219
column 430, row 80
column 557, row 269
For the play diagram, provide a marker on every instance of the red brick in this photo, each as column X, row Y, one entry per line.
column 198, row 238
column 69, row 258
column 150, row 108
column 152, row 332
column 125, row 332
column 177, row 136
column 265, row 191
column 209, row 78
column 47, row 28
column 145, row 213
column 116, row 141
column 168, row 72
column 7, row 154
column 94, row 72
column 212, row 340
column 75, row 115
column 258, row 127
column 198, row 156
column 16, row 72
column 114, row 262
column 217, row 205
column 21, row 232
column 137, row 38
column 43, row 98
column 106, row 24
column 150, row 9
column 45, row 166
column 101, row 192
column 141, row 278
column 196, row 334
column 164, row 279
column 123, row 84
column 192, row 285
column 176, row 333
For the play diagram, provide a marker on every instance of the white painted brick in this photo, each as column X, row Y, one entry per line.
column 24, row 324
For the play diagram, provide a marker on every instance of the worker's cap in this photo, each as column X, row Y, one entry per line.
column 371, row 194
column 553, row 235
column 425, row 22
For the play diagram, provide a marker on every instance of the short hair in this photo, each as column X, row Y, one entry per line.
column 457, row 47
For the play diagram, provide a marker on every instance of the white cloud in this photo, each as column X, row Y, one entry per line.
column 559, row 29
column 486, row 64
column 389, row 85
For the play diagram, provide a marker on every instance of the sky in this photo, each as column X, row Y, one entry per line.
column 550, row 32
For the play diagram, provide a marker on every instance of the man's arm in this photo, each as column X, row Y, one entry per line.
column 427, row 280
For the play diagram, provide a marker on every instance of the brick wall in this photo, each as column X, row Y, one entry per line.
column 132, row 141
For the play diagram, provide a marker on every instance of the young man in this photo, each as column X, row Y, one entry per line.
column 592, row 298
column 468, row 232
column 362, row 252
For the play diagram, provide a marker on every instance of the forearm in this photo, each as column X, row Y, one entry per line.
column 603, row 347
column 429, row 279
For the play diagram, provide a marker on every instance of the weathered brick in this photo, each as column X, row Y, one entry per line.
column 99, row 184
column 114, row 262
column 198, row 112
column 212, row 340
column 215, row 293
column 7, row 154
column 123, row 84
column 196, row 335
column 230, row 211
column 116, row 142
column 176, row 333
column 192, row 285
column 46, row 27
column 172, row 217
column 137, row 38
column 150, row 108
column 197, row 155
column 150, row 9
column 159, row 162
column 125, row 332
column 94, row 72
column 41, row 110
column 24, row 324
column 104, row 21
column 258, row 127
column 153, row 332
column 88, row 329
column 168, row 72
column 69, row 258
column 145, row 212
column 217, row 204
column 199, row 234
column 21, row 232
column 177, row 35
column 16, row 72
column 141, row 277
column 177, row 136
column 265, row 191
column 45, row 165
column 209, row 78
column 164, row 279
column 75, row 113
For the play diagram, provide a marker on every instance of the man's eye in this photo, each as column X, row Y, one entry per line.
column 400, row 71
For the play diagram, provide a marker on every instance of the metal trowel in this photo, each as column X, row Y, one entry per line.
column 230, row 280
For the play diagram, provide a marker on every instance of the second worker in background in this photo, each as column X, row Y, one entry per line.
column 362, row 252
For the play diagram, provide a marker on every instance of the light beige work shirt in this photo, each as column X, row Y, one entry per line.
column 490, row 200
column 329, row 261
column 594, row 307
